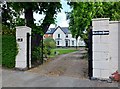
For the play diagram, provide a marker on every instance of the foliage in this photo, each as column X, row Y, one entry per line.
column 37, row 54
column 50, row 43
column 11, row 12
column 9, row 51
column 7, row 31
column 0, row 49
column 83, row 13
column 7, row 16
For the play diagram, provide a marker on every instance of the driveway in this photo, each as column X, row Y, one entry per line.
column 68, row 70
column 72, row 65
column 12, row 78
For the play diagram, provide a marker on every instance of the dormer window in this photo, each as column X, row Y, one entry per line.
column 58, row 35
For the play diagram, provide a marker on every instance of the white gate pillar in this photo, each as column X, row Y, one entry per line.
column 114, row 26
column 23, row 59
column 101, row 48
column 105, row 47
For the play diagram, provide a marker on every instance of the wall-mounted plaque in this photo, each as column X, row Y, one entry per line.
column 20, row 39
column 100, row 33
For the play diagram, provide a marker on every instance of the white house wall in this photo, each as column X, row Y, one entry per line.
column 80, row 42
column 63, row 37
column 71, row 39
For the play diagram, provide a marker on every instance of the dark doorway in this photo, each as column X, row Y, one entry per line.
column 66, row 43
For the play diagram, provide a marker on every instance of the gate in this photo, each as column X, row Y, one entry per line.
column 90, row 66
column 28, row 51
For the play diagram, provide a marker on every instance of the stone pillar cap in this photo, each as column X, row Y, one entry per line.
column 100, row 19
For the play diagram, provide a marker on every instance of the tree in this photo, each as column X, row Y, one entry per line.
column 49, row 9
column 80, row 18
column 83, row 12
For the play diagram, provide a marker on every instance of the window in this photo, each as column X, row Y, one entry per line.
column 58, row 35
column 58, row 42
column 66, row 35
column 72, row 42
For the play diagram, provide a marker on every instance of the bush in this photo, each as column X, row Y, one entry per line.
column 7, row 31
column 49, row 44
column 0, row 49
column 9, row 51
column 37, row 54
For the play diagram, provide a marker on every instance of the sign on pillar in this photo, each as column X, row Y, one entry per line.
column 23, row 39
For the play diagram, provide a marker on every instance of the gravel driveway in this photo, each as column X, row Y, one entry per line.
column 71, row 64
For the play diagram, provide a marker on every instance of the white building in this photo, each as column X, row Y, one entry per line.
column 63, row 37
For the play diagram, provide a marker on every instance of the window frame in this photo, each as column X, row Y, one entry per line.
column 73, row 42
column 58, row 35
column 58, row 42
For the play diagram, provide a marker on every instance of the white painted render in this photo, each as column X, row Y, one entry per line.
column 114, row 26
column 105, row 48
column 101, row 49
column 63, row 37
column 21, row 58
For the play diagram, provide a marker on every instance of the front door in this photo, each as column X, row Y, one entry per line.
column 66, row 43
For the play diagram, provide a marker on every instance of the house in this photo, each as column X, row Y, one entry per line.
column 63, row 37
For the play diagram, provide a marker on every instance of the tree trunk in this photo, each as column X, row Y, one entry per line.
column 29, row 17
column 86, row 42
column 49, row 16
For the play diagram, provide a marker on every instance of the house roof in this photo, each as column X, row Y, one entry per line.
column 64, row 29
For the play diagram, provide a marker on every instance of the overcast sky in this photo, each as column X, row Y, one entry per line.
column 61, row 17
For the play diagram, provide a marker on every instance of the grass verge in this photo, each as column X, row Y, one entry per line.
column 60, row 51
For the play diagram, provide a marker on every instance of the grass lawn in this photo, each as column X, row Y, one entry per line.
column 61, row 51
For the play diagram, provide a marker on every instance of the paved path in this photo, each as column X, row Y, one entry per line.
column 28, row 79
column 72, row 65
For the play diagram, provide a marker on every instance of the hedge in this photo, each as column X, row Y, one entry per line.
column 0, row 49
column 9, row 51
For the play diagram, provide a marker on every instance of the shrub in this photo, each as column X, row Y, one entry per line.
column 7, row 31
column 9, row 51
column 49, row 44
column 36, row 54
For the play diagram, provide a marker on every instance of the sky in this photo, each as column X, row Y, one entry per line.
column 61, row 17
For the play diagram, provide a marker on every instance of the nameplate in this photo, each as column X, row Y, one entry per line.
column 100, row 33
